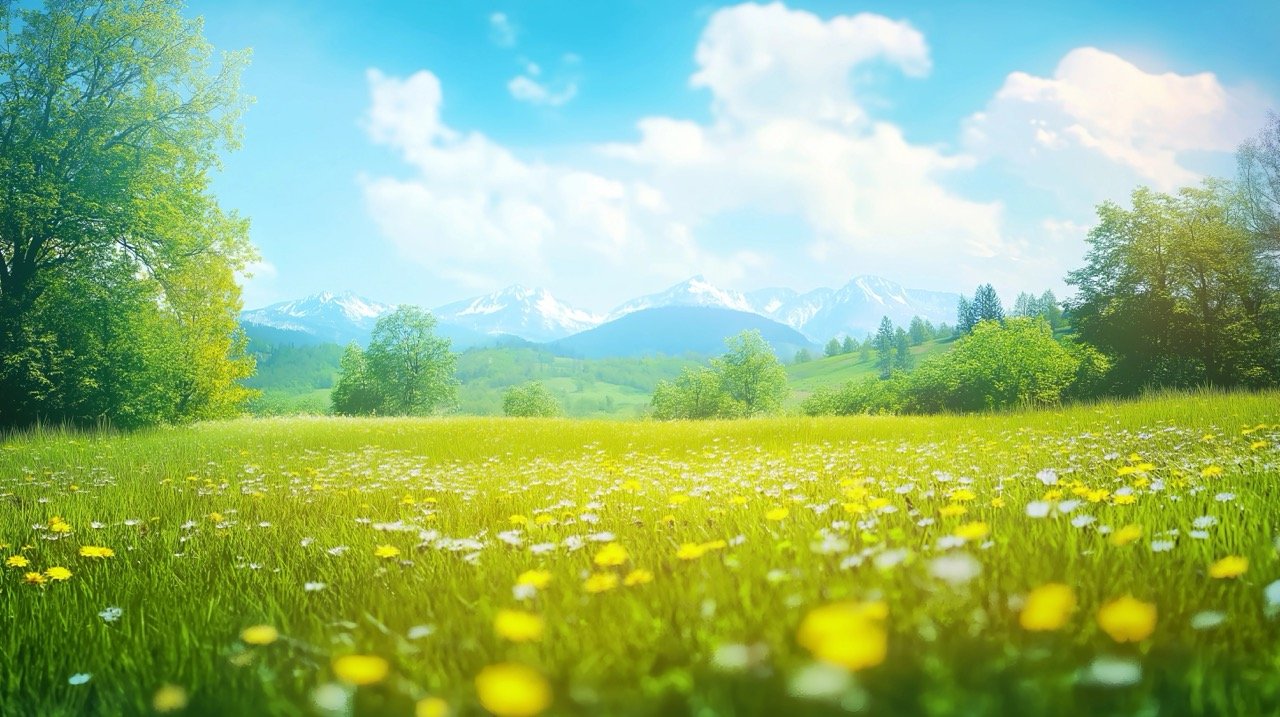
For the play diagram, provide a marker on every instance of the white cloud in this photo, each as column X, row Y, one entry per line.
column 1103, row 124
column 502, row 32
column 527, row 89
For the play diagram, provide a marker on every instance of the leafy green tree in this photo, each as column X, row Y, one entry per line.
column 832, row 348
column 356, row 393
column 919, row 331
column 412, row 367
column 864, row 349
column 1258, row 160
column 966, row 315
column 118, row 299
column 532, row 399
column 1179, row 292
column 849, row 345
column 802, row 356
column 697, row 393
column 885, row 344
column 751, row 374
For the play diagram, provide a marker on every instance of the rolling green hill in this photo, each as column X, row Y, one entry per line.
column 805, row 378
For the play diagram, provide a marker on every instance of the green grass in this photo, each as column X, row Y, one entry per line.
column 836, row 371
column 218, row 527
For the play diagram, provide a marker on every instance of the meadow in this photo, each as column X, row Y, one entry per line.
column 1118, row 558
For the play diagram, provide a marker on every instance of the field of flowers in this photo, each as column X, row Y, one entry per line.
column 1112, row 559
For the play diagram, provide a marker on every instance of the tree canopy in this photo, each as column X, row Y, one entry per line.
column 118, row 298
column 406, row 371
column 530, row 400
column 746, row 380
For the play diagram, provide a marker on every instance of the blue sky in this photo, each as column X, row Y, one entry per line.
column 424, row 152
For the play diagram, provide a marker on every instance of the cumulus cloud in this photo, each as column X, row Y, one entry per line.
column 477, row 213
column 1100, row 116
column 526, row 89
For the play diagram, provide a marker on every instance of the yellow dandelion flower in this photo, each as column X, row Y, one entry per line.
column 58, row 525
column 512, row 690
column 34, row 578
column 259, row 635
column 216, row 517
column 517, row 519
column 1256, row 445
column 690, row 551
column 997, row 502
column 1232, row 566
column 777, row 514
column 976, row 530
column 1128, row 619
column 962, row 495
column 431, row 707
column 678, row 499
column 169, row 698
column 952, row 510
column 1211, row 471
column 1047, row 607
column 58, row 573
column 534, row 578
column 1125, row 535
column 361, row 670
column 855, row 508
column 1124, row 499
column 639, row 576
column 17, row 561
column 611, row 555
column 387, row 552
column 1096, row 495
column 848, row 634
column 96, row 551
column 518, row 625
column 600, row 582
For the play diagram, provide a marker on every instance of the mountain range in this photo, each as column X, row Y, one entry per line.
column 535, row 315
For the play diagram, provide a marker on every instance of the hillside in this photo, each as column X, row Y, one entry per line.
column 830, row 371
column 677, row 331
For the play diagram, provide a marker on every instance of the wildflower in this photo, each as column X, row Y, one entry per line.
column 611, row 555
column 518, row 626
column 169, row 698
column 973, row 531
column 1048, row 476
column 79, row 678
column 538, row 579
column 259, row 635
column 387, row 552
column 313, row 587
column 956, row 568
column 848, row 634
column 952, row 510
column 431, row 707
column 1232, row 566
column 639, row 576
column 1113, row 672
column 96, row 551
column 1126, row 535
column 110, row 614
column 361, row 670
column 34, row 578
column 1047, row 607
column 58, row 573
column 1128, row 619
column 777, row 514
column 17, row 561
column 512, row 690
column 1038, row 509
column 1211, row 472
column 600, row 582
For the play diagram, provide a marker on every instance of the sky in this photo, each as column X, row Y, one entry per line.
column 422, row 152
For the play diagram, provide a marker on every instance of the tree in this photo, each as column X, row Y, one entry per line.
column 697, row 393
column 1178, row 291
column 747, row 380
column 919, row 331
column 118, row 298
column 966, row 316
column 413, row 368
column 849, row 345
column 355, row 393
column 901, row 350
column 1258, row 161
column 832, row 348
column 802, row 356
column 884, row 344
column 532, row 399
column 986, row 304
column 751, row 374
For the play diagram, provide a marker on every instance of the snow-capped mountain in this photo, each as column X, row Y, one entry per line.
column 328, row 317
column 695, row 291
column 854, row 309
column 531, row 314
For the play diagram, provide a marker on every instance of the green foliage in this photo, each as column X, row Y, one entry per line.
column 1180, row 292
column 298, row 369
column 833, row 347
column 849, row 345
column 117, row 294
column 1259, row 181
column 747, row 380
column 885, row 344
column 530, row 400
column 996, row 366
column 802, row 356
column 407, row 370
